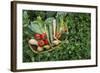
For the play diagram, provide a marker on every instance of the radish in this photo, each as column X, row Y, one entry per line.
column 46, row 46
column 37, row 36
column 33, row 42
column 56, row 42
column 43, row 36
column 46, row 41
column 39, row 49
column 41, row 43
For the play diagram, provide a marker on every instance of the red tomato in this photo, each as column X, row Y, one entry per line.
column 46, row 41
column 41, row 43
column 37, row 36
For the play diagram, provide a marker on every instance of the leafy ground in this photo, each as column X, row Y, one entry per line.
column 79, row 38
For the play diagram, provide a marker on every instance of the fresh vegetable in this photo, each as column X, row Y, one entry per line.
column 46, row 41
column 49, row 28
column 39, row 49
column 37, row 36
column 58, row 35
column 43, row 36
column 37, row 26
column 56, row 42
column 41, row 43
column 54, row 29
column 60, row 16
column 33, row 42
column 46, row 46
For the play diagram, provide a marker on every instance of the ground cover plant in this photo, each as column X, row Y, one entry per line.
column 77, row 39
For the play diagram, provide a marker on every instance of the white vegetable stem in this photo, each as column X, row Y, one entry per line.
column 54, row 29
column 54, row 26
column 51, row 34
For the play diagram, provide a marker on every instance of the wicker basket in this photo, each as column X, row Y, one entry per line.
column 55, row 36
column 33, row 47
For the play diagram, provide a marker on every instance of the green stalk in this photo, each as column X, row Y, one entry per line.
column 51, row 32
column 61, row 24
column 46, row 30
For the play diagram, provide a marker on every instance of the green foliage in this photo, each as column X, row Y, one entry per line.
column 48, row 25
column 78, row 45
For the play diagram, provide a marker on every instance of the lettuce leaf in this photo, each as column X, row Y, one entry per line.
column 36, row 28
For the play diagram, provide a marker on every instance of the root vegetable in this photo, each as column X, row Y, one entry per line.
column 41, row 43
column 39, row 49
column 43, row 36
column 37, row 36
column 33, row 42
column 47, row 47
column 58, row 35
column 46, row 41
column 56, row 42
